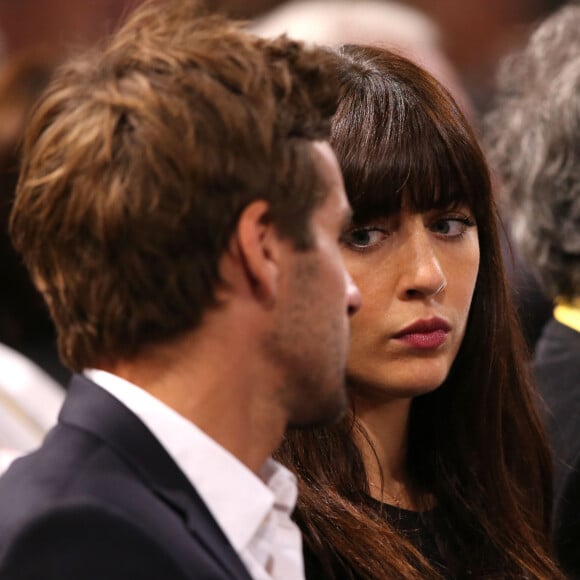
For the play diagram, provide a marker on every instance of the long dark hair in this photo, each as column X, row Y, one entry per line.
column 476, row 443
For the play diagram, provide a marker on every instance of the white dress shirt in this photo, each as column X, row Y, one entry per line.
column 253, row 512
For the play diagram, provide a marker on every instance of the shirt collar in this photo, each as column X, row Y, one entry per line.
column 238, row 499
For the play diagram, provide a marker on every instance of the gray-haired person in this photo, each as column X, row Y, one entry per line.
column 534, row 137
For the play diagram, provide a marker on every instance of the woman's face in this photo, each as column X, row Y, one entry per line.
column 416, row 273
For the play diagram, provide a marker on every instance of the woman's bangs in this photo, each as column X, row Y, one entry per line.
column 419, row 173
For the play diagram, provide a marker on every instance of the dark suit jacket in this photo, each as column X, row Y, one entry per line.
column 557, row 366
column 101, row 499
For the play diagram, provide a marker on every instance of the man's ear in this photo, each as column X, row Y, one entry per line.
column 258, row 247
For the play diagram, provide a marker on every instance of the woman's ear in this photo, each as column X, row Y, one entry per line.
column 258, row 249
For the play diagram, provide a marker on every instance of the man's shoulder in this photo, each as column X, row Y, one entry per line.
column 76, row 538
column 71, row 466
column 74, row 508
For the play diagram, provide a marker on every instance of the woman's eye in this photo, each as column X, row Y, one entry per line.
column 452, row 227
column 363, row 237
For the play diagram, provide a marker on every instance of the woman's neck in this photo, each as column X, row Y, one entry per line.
column 386, row 424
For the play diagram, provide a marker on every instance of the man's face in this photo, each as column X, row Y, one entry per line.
column 312, row 333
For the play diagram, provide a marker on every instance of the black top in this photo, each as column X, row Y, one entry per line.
column 419, row 528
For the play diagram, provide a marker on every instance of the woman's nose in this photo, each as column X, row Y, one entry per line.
column 422, row 274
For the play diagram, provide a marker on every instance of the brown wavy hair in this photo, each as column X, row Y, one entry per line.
column 139, row 160
column 476, row 443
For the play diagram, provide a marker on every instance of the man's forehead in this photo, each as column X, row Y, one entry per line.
column 324, row 154
column 330, row 174
column 328, row 166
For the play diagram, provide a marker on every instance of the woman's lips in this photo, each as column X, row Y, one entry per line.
column 425, row 334
column 424, row 340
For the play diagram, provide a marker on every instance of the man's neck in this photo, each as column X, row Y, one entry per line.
column 222, row 389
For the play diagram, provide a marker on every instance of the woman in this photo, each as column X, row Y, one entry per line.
column 441, row 468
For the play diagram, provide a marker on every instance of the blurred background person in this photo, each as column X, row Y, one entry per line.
column 58, row 25
column 29, row 404
column 30, row 393
column 477, row 33
column 534, row 140
column 35, row 36
column 379, row 22
column 24, row 321
column 474, row 34
column 2, row 49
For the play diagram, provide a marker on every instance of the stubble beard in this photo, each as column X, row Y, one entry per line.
column 310, row 355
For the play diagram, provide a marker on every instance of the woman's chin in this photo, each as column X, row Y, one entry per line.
column 362, row 389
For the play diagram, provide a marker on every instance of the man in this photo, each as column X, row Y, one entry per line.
column 180, row 212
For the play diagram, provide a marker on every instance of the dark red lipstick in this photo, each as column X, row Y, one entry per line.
column 425, row 334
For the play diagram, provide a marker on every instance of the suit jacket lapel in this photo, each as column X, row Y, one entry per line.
column 90, row 408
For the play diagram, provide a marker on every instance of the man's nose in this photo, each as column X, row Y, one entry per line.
column 354, row 299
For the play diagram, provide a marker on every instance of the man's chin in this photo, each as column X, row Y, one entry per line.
column 326, row 413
